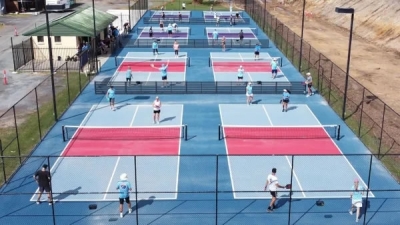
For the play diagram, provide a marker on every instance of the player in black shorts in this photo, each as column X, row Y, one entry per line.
column 241, row 36
column 42, row 178
column 163, row 16
column 180, row 16
column 151, row 32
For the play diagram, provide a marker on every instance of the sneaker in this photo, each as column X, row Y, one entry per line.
column 269, row 209
column 307, row 96
column 130, row 210
column 37, row 202
column 351, row 212
column 283, row 110
column 357, row 220
column 158, row 122
column 121, row 215
column 50, row 203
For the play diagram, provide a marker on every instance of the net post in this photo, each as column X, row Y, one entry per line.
column 186, row 132
column 63, row 132
column 338, row 133
column 188, row 61
column 280, row 62
column 209, row 61
column 219, row 132
column 116, row 61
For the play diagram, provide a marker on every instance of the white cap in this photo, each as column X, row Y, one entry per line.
column 308, row 74
column 123, row 176
column 249, row 83
column 240, row 66
column 275, row 59
column 284, row 90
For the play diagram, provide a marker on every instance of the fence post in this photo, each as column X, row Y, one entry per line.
column 309, row 58
column 23, row 52
column 13, row 54
column 51, row 191
column 294, row 40
column 319, row 66
column 136, row 190
column 3, row 162
column 367, row 195
column 380, row 137
column 287, row 41
column 16, row 132
column 38, row 114
column 276, row 28
column 68, row 90
column 290, row 191
column 361, row 115
column 265, row 11
column 216, row 191
column 33, row 55
column 330, row 83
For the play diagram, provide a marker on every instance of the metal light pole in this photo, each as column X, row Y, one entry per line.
column 347, row 11
column 302, row 34
column 95, row 37
column 129, row 12
column 51, row 64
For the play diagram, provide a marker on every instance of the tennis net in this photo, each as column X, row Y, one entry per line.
column 222, row 61
column 234, row 30
column 142, row 61
column 124, row 133
column 279, row 132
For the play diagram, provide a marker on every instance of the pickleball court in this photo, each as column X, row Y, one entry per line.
column 262, row 135
column 117, row 141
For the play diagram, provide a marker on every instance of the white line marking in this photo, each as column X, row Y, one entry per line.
column 266, row 113
column 295, row 176
column 90, row 112
column 108, row 200
column 134, row 115
column 345, row 158
column 179, row 157
column 148, row 77
column 112, row 176
column 226, row 150
column 248, row 74
column 212, row 67
column 241, row 58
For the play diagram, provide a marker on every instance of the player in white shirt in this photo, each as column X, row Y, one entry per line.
column 272, row 185
column 156, row 110
column 240, row 73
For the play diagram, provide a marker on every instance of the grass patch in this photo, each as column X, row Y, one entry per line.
column 30, row 130
column 191, row 5
column 367, row 131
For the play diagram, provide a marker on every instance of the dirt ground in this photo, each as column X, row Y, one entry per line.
column 375, row 67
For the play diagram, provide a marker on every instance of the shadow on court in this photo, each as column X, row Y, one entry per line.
column 290, row 108
column 67, row 193
column 144, row 202
column 256, row 102
column 168, row 119
column 283, row 200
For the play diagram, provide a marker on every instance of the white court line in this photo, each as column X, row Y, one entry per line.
column 248, row 74
column 179, row 156
column 109, row 200
column 345, row 158
column 90, row 112
column 226, row 150
column 287, row 158
column 212, row 66
column 266, row 113
column 134, row 115
column 111, row 178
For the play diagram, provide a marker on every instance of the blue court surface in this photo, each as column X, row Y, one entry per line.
column 203, row 179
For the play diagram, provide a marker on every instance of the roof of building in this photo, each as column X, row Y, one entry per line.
column 78, row 24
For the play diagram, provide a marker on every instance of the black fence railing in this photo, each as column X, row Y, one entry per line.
column 197, row 43
column 25, row 124
column 197, row 87
column 370, row 118
column 209, row 201
column 241, row 21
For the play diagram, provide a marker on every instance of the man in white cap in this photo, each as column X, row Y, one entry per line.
column 164, row 73
column 356, row 198
column 309, row 84
column 249, row 93
column 274, row 67
column 240, row 73
column 285, row 100
column 124, row 187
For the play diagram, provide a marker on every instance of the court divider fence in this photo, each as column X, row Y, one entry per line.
column 370, row 118
column 197, row 87
column 197, row 43
column 213, row 201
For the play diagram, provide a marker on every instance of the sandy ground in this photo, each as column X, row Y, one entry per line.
column 375, row 67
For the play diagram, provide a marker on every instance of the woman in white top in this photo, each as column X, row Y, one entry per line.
column 176, row 49
column 156, row 110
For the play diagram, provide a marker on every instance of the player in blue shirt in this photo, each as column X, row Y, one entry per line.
column 274, row 67
column 249, row 93
column 169, row 28
column 215, row 36
column 155, row 47
column 257, row 51
column 240, row 73
column 285, row 100
column 164, row 73
column 129, row 75
column 124, row 187
column 356, row 198
column 111, row 97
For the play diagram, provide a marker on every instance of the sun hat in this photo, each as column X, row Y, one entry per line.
column 355, row 180
column 123, row 176
column 308, row 74
column 284, row 90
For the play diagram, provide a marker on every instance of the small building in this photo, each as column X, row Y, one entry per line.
column 68, row 35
